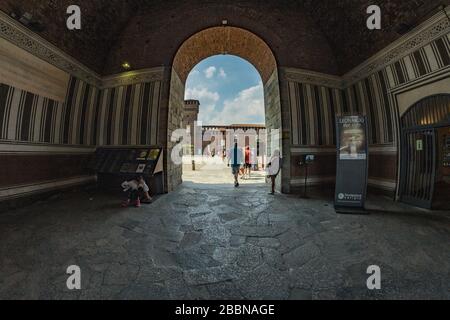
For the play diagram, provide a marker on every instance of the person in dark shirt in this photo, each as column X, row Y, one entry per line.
column 236, row 163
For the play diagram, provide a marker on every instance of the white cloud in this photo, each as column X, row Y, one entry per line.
column 210, row 72
column 201, row 93
column 194, row 72
column 208, row 100
column 222, row 73
column 246, row 107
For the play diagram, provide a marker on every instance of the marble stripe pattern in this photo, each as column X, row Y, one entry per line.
column 313, row 107
column 89, row 116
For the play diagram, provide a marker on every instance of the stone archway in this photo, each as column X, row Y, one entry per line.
column 422, row 145
column 214, row 41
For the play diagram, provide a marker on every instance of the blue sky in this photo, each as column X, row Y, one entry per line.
column 229, row 89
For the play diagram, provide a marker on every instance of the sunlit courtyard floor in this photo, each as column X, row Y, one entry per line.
column 209, row 240
column 215, row 172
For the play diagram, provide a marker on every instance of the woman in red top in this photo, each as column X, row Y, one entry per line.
column 248, row 161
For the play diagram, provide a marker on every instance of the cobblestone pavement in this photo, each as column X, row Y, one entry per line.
column 209, row 240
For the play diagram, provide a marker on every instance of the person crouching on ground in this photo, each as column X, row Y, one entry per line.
column 273, row 169
column 137, row 192
column 236, row 162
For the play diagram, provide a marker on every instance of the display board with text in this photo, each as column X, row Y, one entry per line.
column 352, row 163
column 115, row 165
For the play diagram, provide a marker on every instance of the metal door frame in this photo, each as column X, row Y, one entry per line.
column 404, row 165
column 403, row 155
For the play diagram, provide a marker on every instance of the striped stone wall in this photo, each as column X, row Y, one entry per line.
column 430, row 58
column 45, row 131
column 315, row 101
column 313, row 114
column 25, row 116
column 33, row 157
column 124, row 115
column 370, row 97
column 128, row 115
column 373, row 95
column 313, row 107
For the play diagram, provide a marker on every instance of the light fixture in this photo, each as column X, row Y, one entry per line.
column 126, row 65
column 25, row 19
column 224, row 23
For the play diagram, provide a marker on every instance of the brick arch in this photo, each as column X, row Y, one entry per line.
column 220, row 40
column 224, row 40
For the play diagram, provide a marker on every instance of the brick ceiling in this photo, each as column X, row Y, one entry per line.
column 320, row 35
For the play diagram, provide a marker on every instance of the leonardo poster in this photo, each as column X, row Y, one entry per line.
column 352, row 138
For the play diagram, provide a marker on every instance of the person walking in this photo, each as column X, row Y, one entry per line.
column 248, row 162
column 236, row 163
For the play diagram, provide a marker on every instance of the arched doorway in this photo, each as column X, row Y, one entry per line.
column 214, row 41
column 425, row 152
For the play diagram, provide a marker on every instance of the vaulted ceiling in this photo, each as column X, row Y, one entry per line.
column 321, row 35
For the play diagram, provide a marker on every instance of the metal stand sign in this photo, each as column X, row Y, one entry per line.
column 308, row 159
column 352, row 163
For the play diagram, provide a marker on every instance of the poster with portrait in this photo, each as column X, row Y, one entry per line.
column 352, row 138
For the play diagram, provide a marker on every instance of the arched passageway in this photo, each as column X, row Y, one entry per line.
column 425, row 152
column 222, row 40
column 65, row 94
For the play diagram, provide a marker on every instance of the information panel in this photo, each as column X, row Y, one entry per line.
column 115, row 165
column 352, row 163
column 127, row 161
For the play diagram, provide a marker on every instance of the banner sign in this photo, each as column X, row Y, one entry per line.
column 352, row 162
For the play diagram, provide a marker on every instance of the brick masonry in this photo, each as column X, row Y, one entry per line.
column 325, row 36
